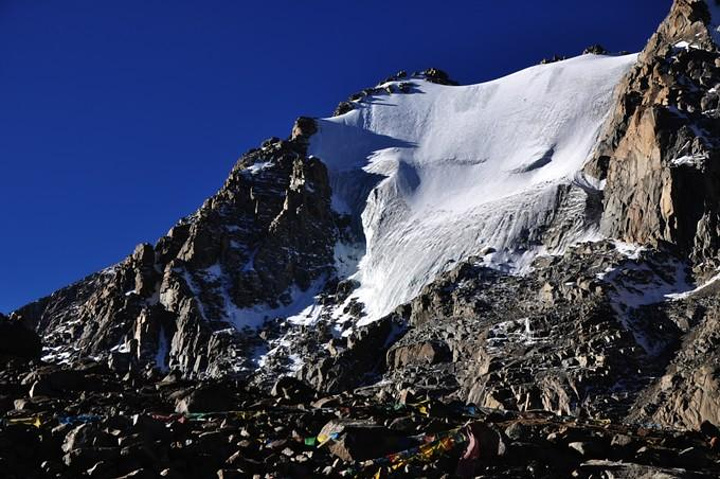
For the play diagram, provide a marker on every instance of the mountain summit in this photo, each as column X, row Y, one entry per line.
column 548, row 240
column 367, row 207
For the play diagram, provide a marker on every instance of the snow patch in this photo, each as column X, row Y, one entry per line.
column 695, row 161
column 629, row 250
column 638, row 284
column 347, row 258
column 250, row 265
column 641, row 284
column 256, row 168
column 587, row 182
column 302, row 307
column 514, row 331
column 687, row 45
column 279, row 347
column 512, row 262
column 56, row 355
column 687, row 294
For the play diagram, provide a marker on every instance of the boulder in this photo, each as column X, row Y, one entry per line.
column 622, row 441
column 291, row 389
column 205, row 398
column 303, row 129
column 358, row 440
column 425, row 353
column 18, row 341
column 149, row 429
column 517, row 432
column 54, row 382
column 231, row 474
column 588, row 449
column 120, row 362
column 138, row 474
column 86, row 457
column 606, row 468
column 101, row 469
column 40, row 389
column 87, row 436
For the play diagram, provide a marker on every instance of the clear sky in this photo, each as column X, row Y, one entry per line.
column 119, row 117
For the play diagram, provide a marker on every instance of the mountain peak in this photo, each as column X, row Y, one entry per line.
column 546, row 243
column 692, row 23
column 321, row 251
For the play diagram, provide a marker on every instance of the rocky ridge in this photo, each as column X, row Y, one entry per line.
column 180, row 303
column 659, row 157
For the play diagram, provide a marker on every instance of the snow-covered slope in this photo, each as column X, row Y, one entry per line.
column 442, row 172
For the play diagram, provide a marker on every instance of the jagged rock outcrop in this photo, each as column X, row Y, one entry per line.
column 593, row 333
column 17, row 341
column 688, row 392
column 175, row 304
column 596, row 49
column 552, row 340
column 394, row 84
column 660, row 155
column 353, row 361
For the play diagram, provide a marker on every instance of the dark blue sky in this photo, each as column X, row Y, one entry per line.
column 118, row 118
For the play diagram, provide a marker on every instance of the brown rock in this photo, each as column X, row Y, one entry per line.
column 430, row 352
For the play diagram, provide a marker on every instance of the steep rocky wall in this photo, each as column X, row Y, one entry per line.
column 688, row 392
column 586, row 334
column 175, row 304
column 547, row 341
column 660, row 154
column 556, row 339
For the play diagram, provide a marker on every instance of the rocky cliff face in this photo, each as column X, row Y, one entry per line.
column 688, row 391
column 588, row 332
column 180, row 303
column 660, row 153
column 582, row 335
